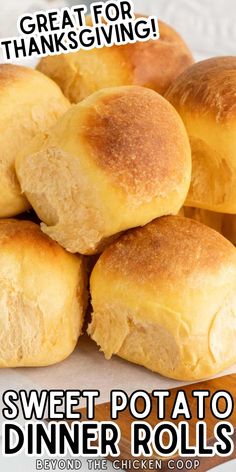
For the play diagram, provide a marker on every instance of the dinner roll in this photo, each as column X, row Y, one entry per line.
column 205, row 97
column 154, row 64
column 29, row 103
column 164, row 297
column 222, row 222
column 42, row 297
column 117, row 160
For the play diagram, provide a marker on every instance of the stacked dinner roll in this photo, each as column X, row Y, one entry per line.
column 117, row 160
column 205, row 97
column 164, row 297
column 30, row 102
column 42, row 297
column 153, row 64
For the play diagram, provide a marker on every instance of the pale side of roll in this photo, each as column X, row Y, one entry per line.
column 222, row 222
column 164, row 297
column 205, row 97
column 154, row 64
column 30, row 103
column 117, row 160
column 42, row 297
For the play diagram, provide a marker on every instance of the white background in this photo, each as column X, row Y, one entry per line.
column 209, row 28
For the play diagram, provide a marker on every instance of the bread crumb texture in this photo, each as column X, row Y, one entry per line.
column 29, row 103
column 117, row 160
column 42, row 297
column 164, row 297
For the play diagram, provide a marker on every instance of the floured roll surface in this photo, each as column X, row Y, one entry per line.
column 42, row 297
column 154, row 64
column 205, row 97
column 164, row 296
column 29, row 104
column 115, row 161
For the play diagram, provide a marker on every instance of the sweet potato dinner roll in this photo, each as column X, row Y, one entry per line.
column 42, row 297
column 164, row 296
column 154, row 64
column 29, row 103
column 222, row 222
column 205, row 97
column 117, row 160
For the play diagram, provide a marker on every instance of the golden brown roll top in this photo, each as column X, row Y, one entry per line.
column 164, row 296
column 29, row 103
column 115, row 161
column 205, row 97
column 42, row 297
column 154, row 64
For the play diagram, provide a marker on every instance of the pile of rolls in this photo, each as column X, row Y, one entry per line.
column 118, row 156
column 205, row 97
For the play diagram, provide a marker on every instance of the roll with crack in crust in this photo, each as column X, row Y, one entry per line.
column 116, row 160
column 42, row 297
column 164, row 297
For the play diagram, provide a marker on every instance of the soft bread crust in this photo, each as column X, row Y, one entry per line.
column 115, row 161
column 222, row 222
column 205, row 97
column 42, row 297
column 164, row 296
column 29, row 103
column 154, row 64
